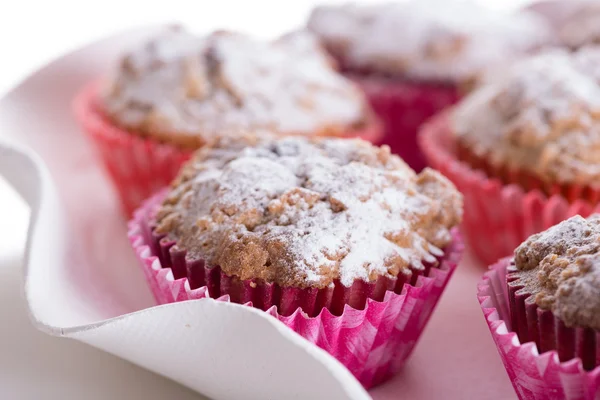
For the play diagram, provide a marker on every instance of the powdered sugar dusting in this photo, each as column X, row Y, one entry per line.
column 427, row 39
column 306, row 213
column 581, row 26
column 541, row 115
column 561, row 268
column 204, row 86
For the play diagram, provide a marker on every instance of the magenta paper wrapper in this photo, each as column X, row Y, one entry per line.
column 403, row 106
column 529, row 182
column 137, row 166
column 498, row 217
column 372, row 342
column 532, row 324
column 534, row 376
column 141, row 166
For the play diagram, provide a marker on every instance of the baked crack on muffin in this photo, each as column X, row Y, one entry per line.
column 308, row 212
column 540, row 119
column 554, row 290
column 185, row 90
column 427, row 40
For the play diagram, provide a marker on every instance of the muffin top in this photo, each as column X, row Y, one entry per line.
column 582, row 28
column 542, row 116
column 305, row 212
column 560, row 267
column 185, row 89
column 575, row 22
column 435, row 40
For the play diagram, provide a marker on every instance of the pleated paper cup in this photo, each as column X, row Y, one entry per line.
column 498, row 216
column 543, row 360
column 371, row 328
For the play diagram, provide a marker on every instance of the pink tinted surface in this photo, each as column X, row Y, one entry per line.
column 455, row 358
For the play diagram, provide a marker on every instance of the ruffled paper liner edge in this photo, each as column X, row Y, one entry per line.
column 531, row 323
column 373, row 343
column 510, row 175
column 137, row 166
column 533, row 375
column 498, row 217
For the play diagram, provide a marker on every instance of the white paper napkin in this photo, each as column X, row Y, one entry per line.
column 81, row 278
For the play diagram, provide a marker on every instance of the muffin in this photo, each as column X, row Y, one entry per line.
column 524, row 148
column 558, row 272
column 543, row 307
column 317, row 231
column 576, row 23
column 414, row 59
column 177, row 92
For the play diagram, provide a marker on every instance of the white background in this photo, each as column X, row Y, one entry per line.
column 31, row 34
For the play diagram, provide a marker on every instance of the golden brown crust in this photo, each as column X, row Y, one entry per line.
column 581, row 27
column 185, row 90
column 440, row 41
column 542, row 117
column 305, row 212
column 561, row 269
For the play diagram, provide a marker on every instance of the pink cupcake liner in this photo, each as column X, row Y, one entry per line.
column 534, row 376
column 532, row 324
column 141, row 166
column 138, row 166
column 372, row 341
column 503, row 215
column 403, row 106
column 508, row 174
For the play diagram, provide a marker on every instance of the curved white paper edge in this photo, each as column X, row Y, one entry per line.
column 258, row 357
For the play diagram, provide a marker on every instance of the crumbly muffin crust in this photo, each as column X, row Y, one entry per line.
column 436, row 40
column 560, row 267
column 306, row 212
column 542, row 116
column 185, row 90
